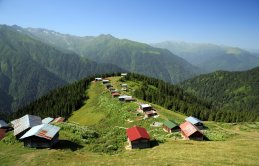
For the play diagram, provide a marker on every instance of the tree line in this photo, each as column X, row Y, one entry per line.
column 176, row 99
column 59, row 102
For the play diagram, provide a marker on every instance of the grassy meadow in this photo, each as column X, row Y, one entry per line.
column 95, row 135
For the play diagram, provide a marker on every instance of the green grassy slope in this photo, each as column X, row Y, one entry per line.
column 237, row 144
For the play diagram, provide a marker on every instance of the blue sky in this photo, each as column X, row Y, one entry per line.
column 227, row 22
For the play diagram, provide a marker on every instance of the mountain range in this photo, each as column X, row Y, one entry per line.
column 211, row 57
column 34, row 61
column 129, row 55
column 30, row 68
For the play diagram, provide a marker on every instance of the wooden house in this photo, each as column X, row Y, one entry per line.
column 58, row 120
column 129, row 99
column 98, row 79
column 25, row 123
column 116, row 94
column 124, row 74
column 138, row 137
column 3, row 129
column 145, row 107
column 41, row 136
column 169, row 126
column 108, row 85
column 106, row 81
column 198, row 123
column 124, row 97
column 114, row 91
column 111, row 88
column 151, row 113
column 190, row 132
column 124, row 87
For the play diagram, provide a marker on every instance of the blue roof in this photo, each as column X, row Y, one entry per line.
column 44, row 131
column 47, row 120
column 3, row 124
column 193, row 120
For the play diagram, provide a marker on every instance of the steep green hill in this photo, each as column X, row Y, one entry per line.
column 234, row 91
column 210, row 57
column 169, row 96
column 132, row 56
column 30, row 68
column 95, row 133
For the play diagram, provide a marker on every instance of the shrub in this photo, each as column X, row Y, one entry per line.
column 10, row 139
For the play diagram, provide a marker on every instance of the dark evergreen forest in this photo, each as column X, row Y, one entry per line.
column 176, row 99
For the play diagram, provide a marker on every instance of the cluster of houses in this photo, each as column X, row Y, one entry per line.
column 147, row 109
column 138, row 137
column 115, row 92
column 34, row 131
column 42, row 133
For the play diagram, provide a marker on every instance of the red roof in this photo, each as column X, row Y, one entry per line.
column 115, row 94
column 59, row 119
column 2, row 133
column 188, row 129
column 135, row 133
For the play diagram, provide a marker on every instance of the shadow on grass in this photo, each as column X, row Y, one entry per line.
column 154, row 143
column 205, row 138
column 204, row 128
column 65, row 144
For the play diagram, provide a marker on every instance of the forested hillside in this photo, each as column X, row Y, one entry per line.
column 63, row 101
column 132, row 56
column 60, row 102
column 177, row 99
column 30, row 68
column 229, row 91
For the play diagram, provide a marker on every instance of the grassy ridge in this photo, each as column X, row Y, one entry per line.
column 237, row 144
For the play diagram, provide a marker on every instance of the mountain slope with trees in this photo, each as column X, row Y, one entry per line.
column 30, row 68
column 97, row 129
column 230, row 91
column 177, row 99
column 132, row 56
column 210, row 57
column 63, row 101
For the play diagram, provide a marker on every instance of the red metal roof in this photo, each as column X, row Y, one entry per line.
column 115, row 94
column 59, row 119
column 135, row 133
column 188, row 129
column 2, row 133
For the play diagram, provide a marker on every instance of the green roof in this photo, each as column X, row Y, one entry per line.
column 170, row 124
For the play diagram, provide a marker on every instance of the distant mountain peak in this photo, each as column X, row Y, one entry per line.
column 212, row 57
column 108, row 36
